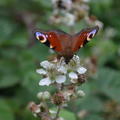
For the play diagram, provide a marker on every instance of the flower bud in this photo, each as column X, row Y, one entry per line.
column 39, row 95
column 80, row 93
column 34, row 108
column 81, row 78
column 82, row 114
column 46, row 95
column 43, row 95
column 58, row 98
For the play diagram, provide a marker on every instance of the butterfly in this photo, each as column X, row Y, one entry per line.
column 65, row 44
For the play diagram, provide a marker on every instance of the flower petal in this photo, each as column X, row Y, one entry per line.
column 73, row 75
column 46, row 64
column 52, row 111
column 41, row 71
column 61, row 79
column 81, row 93
column 74, row 80
column 62, row 69
column 81, row 70
column 45, row 81
column 69, row 19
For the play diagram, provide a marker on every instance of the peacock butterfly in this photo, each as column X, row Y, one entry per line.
column 64, row 44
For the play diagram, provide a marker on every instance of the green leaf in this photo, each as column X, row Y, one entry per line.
column 93, row 117
column 5, row 111
column 45, row 3
column 107, row 50
column 27, row 115
column 67, row 115
column 31, row 82
column 19, row 38
column 8, row 81
column 9, row 74
column 109, row 82
column 6, row 2
column 90, row 103
column 7, row 27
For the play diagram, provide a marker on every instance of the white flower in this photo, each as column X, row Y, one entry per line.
column 67, row 94
column 67, row 4
column 58, row 71
column 41, row 71
column 81, row 70
column 45, row 81
column 73, row 80
column 74, row 63
column 76, row 59
column 46, row 95
column 46, row 64
column 62, row 69
column 100, row 24
column 61, row 79
column 69, row 19
column 73, row 75
column 80, row 93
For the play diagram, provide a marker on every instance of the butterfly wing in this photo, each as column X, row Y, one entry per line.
column 81, row 38
column 53, row 39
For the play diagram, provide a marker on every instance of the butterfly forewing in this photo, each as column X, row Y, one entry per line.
column 81, row 38
column 54, row 39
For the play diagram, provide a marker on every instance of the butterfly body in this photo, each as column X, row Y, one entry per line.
column 64, row 44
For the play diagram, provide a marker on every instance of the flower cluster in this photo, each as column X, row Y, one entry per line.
column 59, row 72
column 66, row 77
column 68, row 12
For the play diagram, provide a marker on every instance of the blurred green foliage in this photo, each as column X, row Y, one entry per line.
column 19, row 60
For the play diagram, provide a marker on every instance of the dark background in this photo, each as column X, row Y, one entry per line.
column 20, row 56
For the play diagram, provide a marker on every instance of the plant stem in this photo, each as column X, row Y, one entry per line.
column 58, row 111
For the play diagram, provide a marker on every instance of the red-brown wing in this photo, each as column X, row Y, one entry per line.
column 81, row 38
column 53, row 39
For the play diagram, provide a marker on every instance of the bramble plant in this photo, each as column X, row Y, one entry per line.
column 30, row 71
column 66, row 78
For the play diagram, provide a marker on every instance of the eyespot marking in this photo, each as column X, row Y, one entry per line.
column 41, row 37
column 91, row 35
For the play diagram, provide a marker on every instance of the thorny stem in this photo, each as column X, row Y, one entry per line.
column 57, row 114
